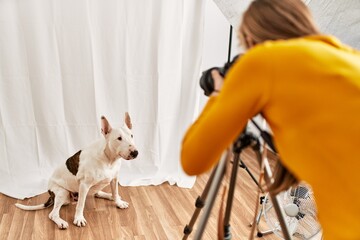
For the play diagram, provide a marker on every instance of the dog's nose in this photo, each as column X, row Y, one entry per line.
column 134, row 154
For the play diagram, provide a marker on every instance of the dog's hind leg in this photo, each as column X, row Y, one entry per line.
column 104, row 195
column 62, row 197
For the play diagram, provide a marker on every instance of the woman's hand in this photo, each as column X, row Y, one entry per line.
column 218, row 82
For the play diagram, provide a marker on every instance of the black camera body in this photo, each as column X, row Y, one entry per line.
column 206, row 80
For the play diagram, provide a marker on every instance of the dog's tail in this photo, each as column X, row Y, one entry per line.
column 48, row 203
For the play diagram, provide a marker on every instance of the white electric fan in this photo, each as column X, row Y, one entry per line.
column 300, row 213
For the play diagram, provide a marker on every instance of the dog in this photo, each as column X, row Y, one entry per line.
column 88, row 171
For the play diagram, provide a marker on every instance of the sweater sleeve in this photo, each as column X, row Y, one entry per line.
column 244, row 93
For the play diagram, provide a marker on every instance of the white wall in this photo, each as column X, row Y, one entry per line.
column 216, row 41
column 216, row 37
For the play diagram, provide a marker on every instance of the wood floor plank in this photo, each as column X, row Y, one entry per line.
column 6, row 221
column 16, row 225
column 155, row 212
column 46, row 230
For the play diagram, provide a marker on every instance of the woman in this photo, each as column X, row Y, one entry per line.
column 307, row 87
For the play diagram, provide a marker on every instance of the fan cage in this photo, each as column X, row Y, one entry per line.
column 300, row 213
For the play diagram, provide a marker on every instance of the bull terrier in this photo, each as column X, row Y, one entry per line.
column 88, row 171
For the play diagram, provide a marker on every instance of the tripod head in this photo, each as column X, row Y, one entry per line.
column 246, row 139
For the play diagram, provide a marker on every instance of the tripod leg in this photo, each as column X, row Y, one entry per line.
column 242, row 165
column 199, row 204
column 274, row 198
column 219, row 174
column 232, row 185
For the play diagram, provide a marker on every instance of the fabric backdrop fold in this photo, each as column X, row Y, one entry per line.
column 65, row 63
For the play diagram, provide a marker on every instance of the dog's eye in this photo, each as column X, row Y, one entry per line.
column 132, row 136
column 119, row 138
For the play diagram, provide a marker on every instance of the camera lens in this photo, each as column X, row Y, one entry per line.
column 206, row 80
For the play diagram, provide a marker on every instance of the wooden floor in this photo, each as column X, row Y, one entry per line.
column 155, row 212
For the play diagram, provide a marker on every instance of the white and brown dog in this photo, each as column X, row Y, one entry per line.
column 89, row 171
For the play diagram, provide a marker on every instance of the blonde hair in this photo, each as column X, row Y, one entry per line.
column 275, row 19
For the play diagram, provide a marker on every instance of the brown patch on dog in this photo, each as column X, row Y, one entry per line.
column 51, row 199
column 73, row 163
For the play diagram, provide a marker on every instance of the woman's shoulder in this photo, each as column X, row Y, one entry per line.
column 312, row 42
column 295, row 47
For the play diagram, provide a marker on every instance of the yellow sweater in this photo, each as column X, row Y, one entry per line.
column 308, row 90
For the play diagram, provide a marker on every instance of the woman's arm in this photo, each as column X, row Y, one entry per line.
column 244, row 93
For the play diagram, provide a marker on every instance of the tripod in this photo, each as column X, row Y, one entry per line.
column 245, row 140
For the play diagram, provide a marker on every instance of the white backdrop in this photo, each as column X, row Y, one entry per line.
column 65, row 63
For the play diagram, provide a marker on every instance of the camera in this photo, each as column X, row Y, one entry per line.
column 206, row 80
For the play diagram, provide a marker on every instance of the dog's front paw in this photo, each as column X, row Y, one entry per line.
column 80, row 221
column 122, row 204
column 62, row 224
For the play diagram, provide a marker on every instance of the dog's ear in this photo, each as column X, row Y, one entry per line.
column 105, row 126
column 128, row 120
